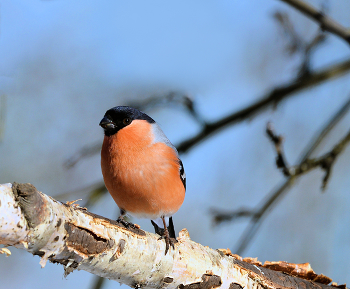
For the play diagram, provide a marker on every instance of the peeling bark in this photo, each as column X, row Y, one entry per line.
column 69, row 235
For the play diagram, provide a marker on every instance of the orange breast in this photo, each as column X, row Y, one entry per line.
column 143, row 178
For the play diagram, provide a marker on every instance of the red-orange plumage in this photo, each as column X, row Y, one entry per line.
column 142, row 176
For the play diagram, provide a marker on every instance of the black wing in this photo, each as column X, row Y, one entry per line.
column 182, row 174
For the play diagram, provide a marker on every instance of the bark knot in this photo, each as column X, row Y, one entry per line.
column 208, row 282
column 31, row 203
column 86, row 241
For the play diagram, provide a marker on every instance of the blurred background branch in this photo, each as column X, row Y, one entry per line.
column 297, row 44
column 325, row 161
column 326, row 23
column 270, row 100
column 258, row 214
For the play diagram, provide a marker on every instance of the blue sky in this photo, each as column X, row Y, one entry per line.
column 64, row 63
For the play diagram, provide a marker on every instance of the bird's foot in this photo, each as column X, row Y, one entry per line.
column 168, row 241
column 125, row 223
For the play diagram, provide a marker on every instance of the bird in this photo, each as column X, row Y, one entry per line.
column 142, row 170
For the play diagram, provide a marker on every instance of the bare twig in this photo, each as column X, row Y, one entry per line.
column 259, row 214
column 94, row 188
column 86, row 151
column 220, row 216
column 267, row 101
column 295, row 41
column 325, row 162
column 173, row 97
column 278, row 140
column 308, row 50
column 271, row 200
column 326, row 23
column 324, row 132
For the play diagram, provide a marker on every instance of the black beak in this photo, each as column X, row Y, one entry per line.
column 106, row 123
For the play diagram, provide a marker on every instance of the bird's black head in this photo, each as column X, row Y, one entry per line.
column 119, row 117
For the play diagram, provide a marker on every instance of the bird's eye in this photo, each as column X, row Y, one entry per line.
column 126, row 121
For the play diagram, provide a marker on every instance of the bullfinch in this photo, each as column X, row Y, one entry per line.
column 142, row 170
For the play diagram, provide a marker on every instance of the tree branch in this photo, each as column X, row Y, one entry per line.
column 326, row 23
column 69, row 235
column 297, row 43
column 325, row 162
column 267, row 101
column 258, row 214
column 173, row 97
column 277, row 141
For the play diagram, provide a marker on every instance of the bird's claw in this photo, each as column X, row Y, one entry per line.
column 126, row 224
column 168, row 242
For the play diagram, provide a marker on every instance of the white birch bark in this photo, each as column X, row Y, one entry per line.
column 77, row 239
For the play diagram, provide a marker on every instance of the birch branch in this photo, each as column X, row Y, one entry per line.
column 70, row 235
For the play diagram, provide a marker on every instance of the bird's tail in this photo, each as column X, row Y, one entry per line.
column 171, row 228
column 160, row 231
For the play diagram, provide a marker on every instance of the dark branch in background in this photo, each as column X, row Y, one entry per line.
column 277, row 141
column 86, row 151
column 326, row 130
column 95, row 191
column 319, row 38
column 326, row 23
column 296, row 42
column 267, row 101
column 173, row 97
column 259, row 214
column 325, row 162
column 219, row 216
